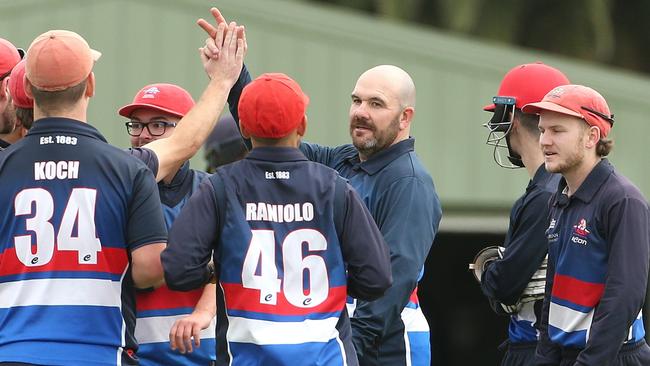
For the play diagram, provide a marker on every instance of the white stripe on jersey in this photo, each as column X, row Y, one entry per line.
column 414, row 320
column 156, row 328
column 264, row 332
column 569, row 320
column 61, row 291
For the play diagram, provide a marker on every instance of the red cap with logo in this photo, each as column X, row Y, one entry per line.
column 272, row 106
column 578, row 101
column 17, row 87
column 162, row 97
column 59, row 59
column 528, row 83
column 9, row 56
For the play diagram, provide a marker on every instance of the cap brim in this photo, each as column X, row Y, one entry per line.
column 128, row 109
column 536, row 108
column 489, row 107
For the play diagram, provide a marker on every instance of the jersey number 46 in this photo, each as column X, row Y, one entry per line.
column 260, row 271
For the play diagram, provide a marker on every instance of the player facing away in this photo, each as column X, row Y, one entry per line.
column 154, row 113
column 598, row 239
column 81, row 223
column 381, row 164
column 289, row 239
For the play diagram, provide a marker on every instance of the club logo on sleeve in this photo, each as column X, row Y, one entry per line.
column 580, row 232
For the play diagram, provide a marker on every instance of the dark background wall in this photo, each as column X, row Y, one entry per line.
column 464, row 330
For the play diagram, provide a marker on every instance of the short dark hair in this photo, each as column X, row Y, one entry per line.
column 604, row 146
column 528, row 121
column 26, row 116
column 55, row 100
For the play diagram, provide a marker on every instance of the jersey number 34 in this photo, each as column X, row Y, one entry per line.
column 79, row 214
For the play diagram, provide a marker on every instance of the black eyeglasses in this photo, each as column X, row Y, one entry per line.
column 155, row 128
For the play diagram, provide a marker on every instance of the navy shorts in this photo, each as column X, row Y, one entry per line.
column 635, row 354
column 518, row 354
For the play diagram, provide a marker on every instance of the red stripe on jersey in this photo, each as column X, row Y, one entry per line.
column 164, row 298
column 240, row 298
column 109, row 260
column 414, row 296
column 579, row 292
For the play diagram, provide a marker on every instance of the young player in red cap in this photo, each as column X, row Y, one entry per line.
column 598, row 239
column 289, row 239
column 161, row 313
column 513, row 281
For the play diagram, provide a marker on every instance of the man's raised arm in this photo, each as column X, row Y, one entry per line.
column 197, row 124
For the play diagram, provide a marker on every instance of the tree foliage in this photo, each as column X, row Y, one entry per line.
column 614, row 32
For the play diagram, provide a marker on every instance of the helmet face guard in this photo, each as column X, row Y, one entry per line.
column 500, row 126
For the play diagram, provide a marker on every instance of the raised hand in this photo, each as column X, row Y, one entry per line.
column 230, row 49
column 211, row 31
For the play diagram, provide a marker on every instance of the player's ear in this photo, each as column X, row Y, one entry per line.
column 4, row 89
column 302, row 127
column 27, row 86
column 90, row 85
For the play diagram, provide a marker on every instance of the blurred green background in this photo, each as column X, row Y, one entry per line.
column 457, row 51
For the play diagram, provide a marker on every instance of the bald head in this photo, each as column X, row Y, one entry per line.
column 393, row 80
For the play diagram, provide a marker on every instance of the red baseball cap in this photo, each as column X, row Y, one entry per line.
column 9, row 56
column 59, row 59
column 17, row 87
column 528, row 83
column 272, row 106
column 578, row 101
column 162, row 97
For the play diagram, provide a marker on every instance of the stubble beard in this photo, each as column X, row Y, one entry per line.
column 7, row 120
column 379, row 140
column 572, row 161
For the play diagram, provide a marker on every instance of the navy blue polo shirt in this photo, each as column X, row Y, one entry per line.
column 505, row 280
column 74, row 209
column 282, row 261
column 599, row 240
column 401, row 197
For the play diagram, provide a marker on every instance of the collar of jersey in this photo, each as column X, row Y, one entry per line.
column 276, row 154
column 51, row 125
column 592, row 183
column 381, row 159
column 179, row 178
column 540, row 178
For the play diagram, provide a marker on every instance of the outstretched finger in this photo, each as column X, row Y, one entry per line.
column 218, row 17
column 210, row 29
